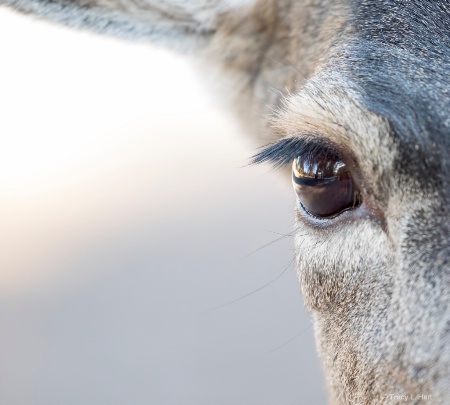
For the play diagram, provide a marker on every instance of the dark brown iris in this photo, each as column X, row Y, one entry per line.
column 324, row 185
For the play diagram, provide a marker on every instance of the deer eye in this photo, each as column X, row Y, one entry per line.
column 324, row 184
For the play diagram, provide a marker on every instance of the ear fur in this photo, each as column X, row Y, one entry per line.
column 180, row 24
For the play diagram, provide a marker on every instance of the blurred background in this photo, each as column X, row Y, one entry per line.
column 136, row 263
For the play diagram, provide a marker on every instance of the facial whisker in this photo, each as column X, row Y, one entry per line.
column 282, row 271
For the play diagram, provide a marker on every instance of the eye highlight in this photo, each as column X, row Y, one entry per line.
column 323, row 184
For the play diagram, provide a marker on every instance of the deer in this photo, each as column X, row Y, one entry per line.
column 352, row 97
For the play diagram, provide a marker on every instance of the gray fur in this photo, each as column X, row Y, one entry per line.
column 370, row 76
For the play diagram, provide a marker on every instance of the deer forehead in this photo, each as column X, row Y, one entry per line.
column 326, row 108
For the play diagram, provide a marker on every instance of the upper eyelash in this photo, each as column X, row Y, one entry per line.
column 285, row 150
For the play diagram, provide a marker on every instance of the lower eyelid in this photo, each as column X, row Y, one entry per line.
column 309, row 216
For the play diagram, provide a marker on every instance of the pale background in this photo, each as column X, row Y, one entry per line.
column 126, row 220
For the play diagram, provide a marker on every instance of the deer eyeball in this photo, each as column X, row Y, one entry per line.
column 324, row 185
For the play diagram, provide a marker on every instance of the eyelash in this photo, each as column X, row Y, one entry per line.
column 283, row 152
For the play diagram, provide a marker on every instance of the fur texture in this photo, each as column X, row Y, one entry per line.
column 369, row 76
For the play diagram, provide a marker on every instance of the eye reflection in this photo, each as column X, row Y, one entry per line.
column 324, row 185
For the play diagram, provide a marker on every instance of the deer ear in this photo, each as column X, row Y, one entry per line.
column 179, row 24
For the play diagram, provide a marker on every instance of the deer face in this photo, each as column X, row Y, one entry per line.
column 368, row 135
